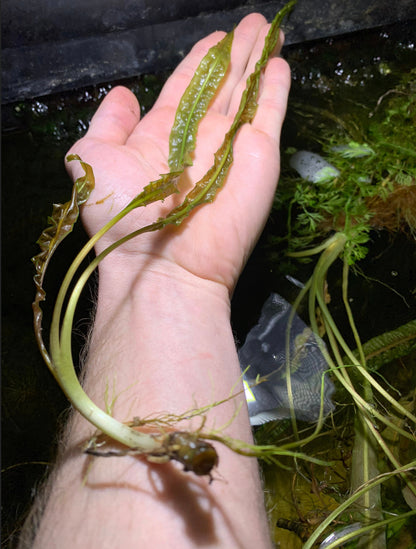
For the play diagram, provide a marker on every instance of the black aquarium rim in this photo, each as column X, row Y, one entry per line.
column 50, row 47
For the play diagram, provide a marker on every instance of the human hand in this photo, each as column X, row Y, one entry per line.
column 126, row 153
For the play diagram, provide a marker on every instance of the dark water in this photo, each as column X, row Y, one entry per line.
column 36, row 136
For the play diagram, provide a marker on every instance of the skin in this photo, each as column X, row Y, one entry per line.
column 162, row 339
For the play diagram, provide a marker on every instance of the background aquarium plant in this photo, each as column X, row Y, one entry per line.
column 343, row 228
column 346, row 94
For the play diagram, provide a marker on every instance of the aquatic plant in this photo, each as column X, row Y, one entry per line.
column 365, row 182
column 165, row 440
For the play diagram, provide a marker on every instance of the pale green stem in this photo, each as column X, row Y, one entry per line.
column 63, row 368
column 69, row 383
column 265, row 452
column 411, row 485
column 363, row 469
column 364, row 456
column 54, row 336
column 296, row 303
column 61, row 346
column 349, row 312
column 317, row 249
column 320, row 274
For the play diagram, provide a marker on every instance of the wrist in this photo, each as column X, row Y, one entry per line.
column 164, row 334
column 126, row 281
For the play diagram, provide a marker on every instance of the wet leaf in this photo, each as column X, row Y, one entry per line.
column 194, row 102
column 248, row 104
column 390, row 345
column 61, row 223
column 191, row 109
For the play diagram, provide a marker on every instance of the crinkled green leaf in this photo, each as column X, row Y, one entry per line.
column 248, row 104
column 195, row 101
column 157, row 190
column 191, row 109
column 61, row 223
column 390, row 345
column 207, row 187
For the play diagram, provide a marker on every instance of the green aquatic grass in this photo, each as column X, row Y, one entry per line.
column 332, row 220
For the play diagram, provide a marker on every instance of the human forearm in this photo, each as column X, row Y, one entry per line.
column 163, row 340
column 168, row 334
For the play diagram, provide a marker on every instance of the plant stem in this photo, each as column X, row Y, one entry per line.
column 336, row 238
column 63, row 367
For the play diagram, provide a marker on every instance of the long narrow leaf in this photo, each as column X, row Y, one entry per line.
column 194, row 102
column 248, row 103
column 61, row 223
column 191, row 109
column 390, row 345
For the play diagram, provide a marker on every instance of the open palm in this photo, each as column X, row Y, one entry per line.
column 126, row 153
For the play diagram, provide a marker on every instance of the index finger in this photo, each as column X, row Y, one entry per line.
column 116, row 117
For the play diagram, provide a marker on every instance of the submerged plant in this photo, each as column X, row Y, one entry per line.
column 373, row 182
column 156, row 439
column 361, row 186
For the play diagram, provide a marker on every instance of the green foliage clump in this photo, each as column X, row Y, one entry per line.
column 374, row 185
column 367, row 182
